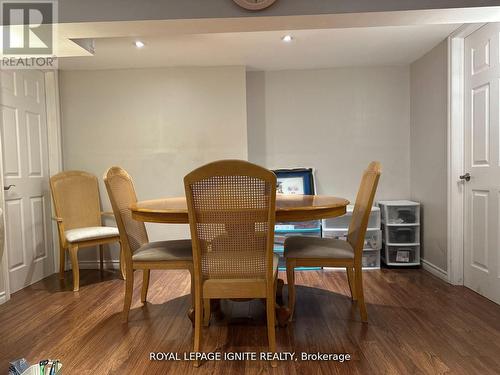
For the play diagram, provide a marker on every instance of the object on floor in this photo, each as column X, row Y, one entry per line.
column 18, row 366
column 401, row 232
column 138, row 252
column 302, row 251
column 231, row 205
column 79, row 219
column 45, row 367
column 338, row 228
column 294, row 181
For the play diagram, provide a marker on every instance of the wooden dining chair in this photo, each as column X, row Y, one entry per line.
column 138, row 252
column 231, row 205
column 79, row 218
column 303, row 251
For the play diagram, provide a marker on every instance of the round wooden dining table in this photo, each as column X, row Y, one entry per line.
column 289, row 208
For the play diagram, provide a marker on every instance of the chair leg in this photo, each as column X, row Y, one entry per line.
column 206, row 312
column 122, row 262
column 271, row 321
column 198, row 315
column 129, row 289
column 290, row 276
column 193, row 299
column 351, row 281
column 191, row 309
column 101, row 256
column 358, row 276
column 73, row 252
column 62, row 261
column 145, row 284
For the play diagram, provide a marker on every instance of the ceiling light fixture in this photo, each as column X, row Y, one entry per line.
column 287, row 38
column 139, row 44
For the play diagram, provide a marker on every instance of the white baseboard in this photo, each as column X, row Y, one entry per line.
column 435, row 270
column 3, row 298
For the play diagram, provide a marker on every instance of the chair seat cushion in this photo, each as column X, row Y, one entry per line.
column 90, row 233
column 314, row 247
column 164, row 251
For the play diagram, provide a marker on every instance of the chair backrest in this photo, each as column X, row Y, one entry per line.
column 231, row 206
column 362, row 209
column 76, row 199
column 121, row 194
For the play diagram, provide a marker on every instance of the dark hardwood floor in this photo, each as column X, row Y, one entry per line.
column 417, row 325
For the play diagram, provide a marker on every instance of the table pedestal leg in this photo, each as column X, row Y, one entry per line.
column 282, row 315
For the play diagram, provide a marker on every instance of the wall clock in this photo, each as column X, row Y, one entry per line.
column 254, row 4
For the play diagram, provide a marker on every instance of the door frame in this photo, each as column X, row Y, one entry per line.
column 456, row 151
column 54, row 143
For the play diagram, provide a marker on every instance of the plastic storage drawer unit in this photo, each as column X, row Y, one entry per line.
column 373, row 237
column 338, row 228
column 301, row 226
column 371, row 259
column 402, row 234
column 399, row 212
column 342, row 222
column 402, row 255
column 279, row 238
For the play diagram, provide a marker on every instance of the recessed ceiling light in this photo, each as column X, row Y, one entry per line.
column 139, row 44
column 287, row 38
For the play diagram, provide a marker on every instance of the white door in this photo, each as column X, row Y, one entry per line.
column 482, row 161
column 28, row 235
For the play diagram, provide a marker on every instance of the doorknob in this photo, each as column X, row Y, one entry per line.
column 8, row 187
column 465, row 177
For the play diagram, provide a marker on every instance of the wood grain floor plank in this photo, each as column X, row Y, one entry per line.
column 417, row 325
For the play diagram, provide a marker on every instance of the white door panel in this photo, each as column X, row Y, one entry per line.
column 480, row 124
column 479, row 240
column 23, row 132
column 15, row 229
column 482, row 161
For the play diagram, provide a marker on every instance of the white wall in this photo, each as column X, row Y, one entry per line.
column 335, row 120
column 158, row 124
column 161, row 123
column 428, row 174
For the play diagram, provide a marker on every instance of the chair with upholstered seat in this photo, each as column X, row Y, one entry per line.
column 231, row 205
column 138, row 252
column 79, row 218
column 327, row 252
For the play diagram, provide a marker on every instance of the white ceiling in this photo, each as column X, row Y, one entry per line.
column 310, row 49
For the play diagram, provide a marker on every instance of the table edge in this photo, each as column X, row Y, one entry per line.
column 135, row 209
